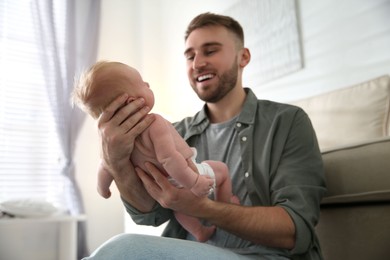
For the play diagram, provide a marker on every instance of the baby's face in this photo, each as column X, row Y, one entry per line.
column 135, row 86
column 119, row 79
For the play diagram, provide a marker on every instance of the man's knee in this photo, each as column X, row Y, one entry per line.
column 118, row 247
column 135, row 246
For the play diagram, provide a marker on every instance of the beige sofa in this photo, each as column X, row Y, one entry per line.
column 353, row 129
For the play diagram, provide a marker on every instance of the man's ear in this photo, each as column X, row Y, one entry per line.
column 245, row 57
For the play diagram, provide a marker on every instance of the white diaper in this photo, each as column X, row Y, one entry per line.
column 205, row 169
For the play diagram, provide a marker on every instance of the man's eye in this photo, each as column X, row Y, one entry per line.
column 189, row 58
column 210, row 52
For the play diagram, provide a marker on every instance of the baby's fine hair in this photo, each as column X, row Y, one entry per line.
column 84, row 87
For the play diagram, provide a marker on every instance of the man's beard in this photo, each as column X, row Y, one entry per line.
column 227, row 82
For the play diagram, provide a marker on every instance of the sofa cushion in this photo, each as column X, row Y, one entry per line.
column 358, row 173
column 357, row 232
column 352, row 114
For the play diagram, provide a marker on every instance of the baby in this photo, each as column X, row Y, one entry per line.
column 159, row 144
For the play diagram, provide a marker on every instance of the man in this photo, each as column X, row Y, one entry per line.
column 270, row 148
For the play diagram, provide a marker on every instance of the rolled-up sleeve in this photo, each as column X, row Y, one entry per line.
column 297, row 183
column 157, row 216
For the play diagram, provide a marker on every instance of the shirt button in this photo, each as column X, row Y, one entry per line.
column 246, row 174
column 238, row 124
column 243, row 138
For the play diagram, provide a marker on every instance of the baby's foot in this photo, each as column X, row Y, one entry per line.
column 205, row 233
column 235, row 200
column 203, row 186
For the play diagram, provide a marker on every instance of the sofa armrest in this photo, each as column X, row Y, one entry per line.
column 358, row 173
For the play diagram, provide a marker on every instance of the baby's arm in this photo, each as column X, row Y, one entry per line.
column 103, row 182
column 166, row 142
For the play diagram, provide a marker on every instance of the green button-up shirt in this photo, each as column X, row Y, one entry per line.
column 282, row 164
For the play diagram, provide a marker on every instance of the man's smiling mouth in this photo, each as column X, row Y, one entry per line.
column 205, row 77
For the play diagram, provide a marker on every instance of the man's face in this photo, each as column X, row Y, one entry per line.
column 212, row 63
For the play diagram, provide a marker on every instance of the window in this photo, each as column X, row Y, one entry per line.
column 43, row 45
column 31, row 157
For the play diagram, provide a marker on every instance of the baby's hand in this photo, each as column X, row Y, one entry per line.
column 104, row 181
column 203, row 186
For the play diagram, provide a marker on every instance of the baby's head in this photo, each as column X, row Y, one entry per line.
column 104, row 82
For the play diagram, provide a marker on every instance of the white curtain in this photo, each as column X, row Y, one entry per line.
column 67, row 51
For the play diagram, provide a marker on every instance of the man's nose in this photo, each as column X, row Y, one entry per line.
column 199, row 62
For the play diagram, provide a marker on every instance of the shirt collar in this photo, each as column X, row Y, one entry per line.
column 247, row 114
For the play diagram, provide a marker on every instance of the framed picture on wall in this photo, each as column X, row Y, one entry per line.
column 272, row 34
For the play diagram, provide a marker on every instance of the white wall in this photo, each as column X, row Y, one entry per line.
column 344, row 42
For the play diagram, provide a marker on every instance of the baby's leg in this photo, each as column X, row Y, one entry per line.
column 223, row 191
column 201, row 232
column 103, row 182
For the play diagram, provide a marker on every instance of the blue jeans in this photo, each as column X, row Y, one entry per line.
column 134, row 246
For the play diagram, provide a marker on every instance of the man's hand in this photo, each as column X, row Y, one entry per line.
column 269, row 226
column 119, row 125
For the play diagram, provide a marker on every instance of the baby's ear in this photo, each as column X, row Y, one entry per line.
column 129, row 100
